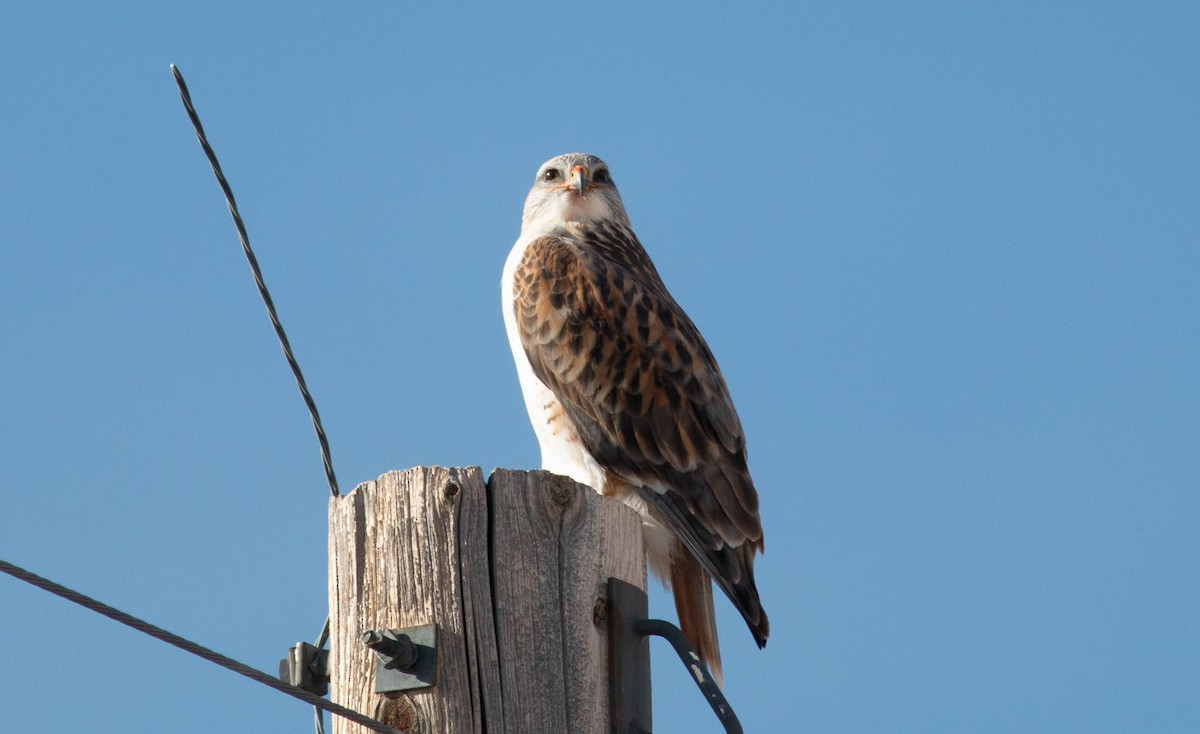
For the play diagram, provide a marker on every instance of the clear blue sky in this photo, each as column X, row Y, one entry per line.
column 948, row 257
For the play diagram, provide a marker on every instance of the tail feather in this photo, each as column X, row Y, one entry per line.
column 692, row 589
column 737, row 565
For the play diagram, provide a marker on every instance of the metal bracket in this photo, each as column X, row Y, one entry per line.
column 698, row 670
column 628, row 660
column 307, row 667
column 405, row 659
column 629, row 663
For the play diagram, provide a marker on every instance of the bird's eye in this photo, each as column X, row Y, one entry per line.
column 602, row 177
column 550, row 174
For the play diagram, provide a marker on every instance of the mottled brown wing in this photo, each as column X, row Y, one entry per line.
column 645, row 396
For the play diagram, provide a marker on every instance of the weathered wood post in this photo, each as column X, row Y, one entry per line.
column 513, row 574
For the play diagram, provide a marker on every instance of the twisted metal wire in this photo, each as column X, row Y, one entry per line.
column 326, row 460
column 258, row 278
column 194, row 648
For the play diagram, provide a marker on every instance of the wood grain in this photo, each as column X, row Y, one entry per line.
column 554, row 545
column 511, row 572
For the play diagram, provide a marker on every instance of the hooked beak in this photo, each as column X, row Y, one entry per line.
column 579, row 179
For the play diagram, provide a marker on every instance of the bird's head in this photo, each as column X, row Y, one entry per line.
column 575, row 187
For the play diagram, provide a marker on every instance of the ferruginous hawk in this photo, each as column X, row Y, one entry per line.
column 626, row 397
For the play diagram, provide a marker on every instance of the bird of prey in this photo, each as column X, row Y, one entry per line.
column 626, row 397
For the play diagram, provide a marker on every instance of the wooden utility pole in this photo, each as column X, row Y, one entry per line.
column 513, row 574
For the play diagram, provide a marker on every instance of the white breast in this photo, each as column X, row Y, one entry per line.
column 562, row 451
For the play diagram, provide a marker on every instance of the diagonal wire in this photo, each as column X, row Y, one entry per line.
column 318, row 720
column 258, row 278
column 188, row 646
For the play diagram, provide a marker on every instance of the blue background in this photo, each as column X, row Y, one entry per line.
column 947, row 256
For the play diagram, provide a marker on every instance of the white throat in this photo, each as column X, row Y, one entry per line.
column 549, row 212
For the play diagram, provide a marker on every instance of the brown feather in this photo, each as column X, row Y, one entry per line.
column 646, row 397
column 692, row 590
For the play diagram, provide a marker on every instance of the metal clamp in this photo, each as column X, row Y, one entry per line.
column 405, row 659
column 307, row 667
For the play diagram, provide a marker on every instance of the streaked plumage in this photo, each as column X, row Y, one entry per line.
column 626, row 397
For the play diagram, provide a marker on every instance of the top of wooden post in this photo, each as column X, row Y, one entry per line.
column 513, row 572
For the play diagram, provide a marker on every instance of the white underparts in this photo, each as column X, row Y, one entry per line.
column 562, row 450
